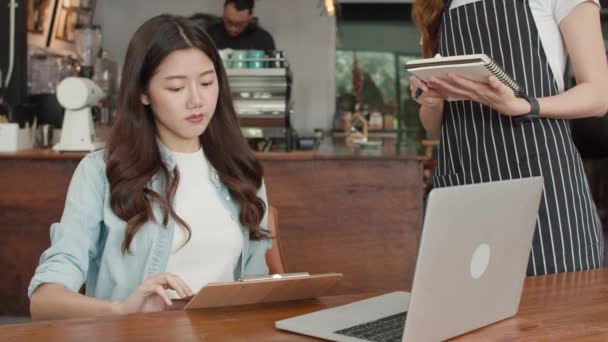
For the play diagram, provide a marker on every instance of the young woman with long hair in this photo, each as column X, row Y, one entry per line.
column 492, row 134
column 176, row 199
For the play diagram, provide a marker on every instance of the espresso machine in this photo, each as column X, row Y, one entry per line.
column 261, row 89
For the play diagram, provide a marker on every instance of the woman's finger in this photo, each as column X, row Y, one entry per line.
column 187, row 288
column 177, row 284
column 167, row 280
column 448, row 89
column 159, row 290
column 180, row 285
column 466, row 84
column 432, row 93
column 430, row 100
column 418, row 83
column 498, row 87
column 153, row 281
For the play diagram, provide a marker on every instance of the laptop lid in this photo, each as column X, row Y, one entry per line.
column 472, row 258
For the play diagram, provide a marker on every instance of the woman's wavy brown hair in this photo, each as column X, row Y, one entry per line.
column 427, row 16
column 133, row 155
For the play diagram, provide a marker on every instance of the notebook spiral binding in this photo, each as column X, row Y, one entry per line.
column 497, row 71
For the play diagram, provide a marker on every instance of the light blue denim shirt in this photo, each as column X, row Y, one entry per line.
column 86, row 244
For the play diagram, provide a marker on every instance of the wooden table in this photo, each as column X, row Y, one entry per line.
column 567, row 307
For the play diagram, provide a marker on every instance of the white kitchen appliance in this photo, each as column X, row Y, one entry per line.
column 77, row 95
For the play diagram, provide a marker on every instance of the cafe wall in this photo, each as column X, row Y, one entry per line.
column 402, row 37
column 300, row 28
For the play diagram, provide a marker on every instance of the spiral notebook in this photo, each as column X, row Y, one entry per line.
column 474, row 67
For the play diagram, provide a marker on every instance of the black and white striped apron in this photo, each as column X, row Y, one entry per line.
column 480, row 145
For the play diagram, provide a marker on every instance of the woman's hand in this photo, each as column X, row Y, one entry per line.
column 431, row 101
column 151, row 296
column 490, row 92
column 430, row 97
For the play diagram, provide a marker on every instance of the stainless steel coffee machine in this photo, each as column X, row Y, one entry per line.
column 261, row 90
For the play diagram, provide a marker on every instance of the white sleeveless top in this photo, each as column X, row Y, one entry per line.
column 216, row 242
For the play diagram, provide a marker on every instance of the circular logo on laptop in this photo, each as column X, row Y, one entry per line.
column 480, row 260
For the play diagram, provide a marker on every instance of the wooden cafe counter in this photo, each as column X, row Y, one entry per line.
column 357, row 212
column 564, row 307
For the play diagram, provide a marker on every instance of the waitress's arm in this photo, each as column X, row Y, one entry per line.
column 432, row 118
column 431, row 105
column 582, row 34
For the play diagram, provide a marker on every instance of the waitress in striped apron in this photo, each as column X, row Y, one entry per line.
column 494, row 135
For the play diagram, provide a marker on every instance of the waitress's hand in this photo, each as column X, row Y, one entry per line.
column 430, row 96
column 490, row 92
column 151, row 296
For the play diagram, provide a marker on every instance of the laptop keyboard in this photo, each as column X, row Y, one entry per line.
column 387, row 329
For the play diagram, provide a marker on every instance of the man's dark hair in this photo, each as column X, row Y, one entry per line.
column 241, row 4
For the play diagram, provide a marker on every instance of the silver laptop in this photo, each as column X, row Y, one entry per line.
column 469, row 273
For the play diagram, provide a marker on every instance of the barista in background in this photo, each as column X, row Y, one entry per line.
column 239, row 30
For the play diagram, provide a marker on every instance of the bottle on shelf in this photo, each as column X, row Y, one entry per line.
column 375, row 121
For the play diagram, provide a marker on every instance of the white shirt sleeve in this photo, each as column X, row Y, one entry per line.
column 562, row 8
